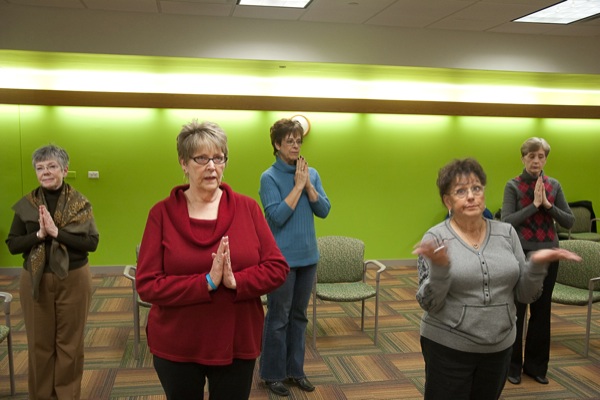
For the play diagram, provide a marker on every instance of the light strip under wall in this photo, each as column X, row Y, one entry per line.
column 565, row 12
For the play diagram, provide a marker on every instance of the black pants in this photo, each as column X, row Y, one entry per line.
column 459, row 375
column 537, row 341
column 185, row 381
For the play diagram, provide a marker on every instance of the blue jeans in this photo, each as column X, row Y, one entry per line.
column 285, row 327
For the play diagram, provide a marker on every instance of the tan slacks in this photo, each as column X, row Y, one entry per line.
column 55, row 326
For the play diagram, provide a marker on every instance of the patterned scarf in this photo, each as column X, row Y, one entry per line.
column 540, row 226
column 73, row 215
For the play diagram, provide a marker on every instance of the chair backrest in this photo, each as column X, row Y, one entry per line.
column 583, row 220
column 578, row 274
column 341, row 259
column 5, row 329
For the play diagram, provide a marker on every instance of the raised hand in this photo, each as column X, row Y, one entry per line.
column 437, row 254
column 549, row 255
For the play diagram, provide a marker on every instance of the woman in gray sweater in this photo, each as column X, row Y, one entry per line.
column 471, row 269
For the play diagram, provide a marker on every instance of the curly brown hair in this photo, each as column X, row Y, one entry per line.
column 282, row 129
column 449, row 173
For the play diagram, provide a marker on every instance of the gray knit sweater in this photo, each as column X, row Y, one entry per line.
column 470, row 305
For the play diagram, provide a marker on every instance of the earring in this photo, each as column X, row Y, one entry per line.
column 449, row 213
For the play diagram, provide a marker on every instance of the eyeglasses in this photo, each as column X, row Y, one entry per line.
column 461, row 193
column 292, row 142
column 40, row 169
column 203, row 160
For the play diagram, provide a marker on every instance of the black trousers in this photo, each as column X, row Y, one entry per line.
column 459, row 375
column 185, row 381
column 537, row 342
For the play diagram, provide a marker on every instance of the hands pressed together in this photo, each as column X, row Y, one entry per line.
column 47, row 225
column 540, row 195
column 302, row 177
column 221, row 272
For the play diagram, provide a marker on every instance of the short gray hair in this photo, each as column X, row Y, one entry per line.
column 195, row 135
column 51, row 152
column 534, row 144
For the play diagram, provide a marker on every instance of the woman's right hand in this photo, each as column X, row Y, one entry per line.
column 437, row 254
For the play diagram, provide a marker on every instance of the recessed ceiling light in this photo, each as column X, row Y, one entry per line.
column 564, row 13
column 275, row 3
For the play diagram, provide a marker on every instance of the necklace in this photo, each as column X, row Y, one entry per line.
column 475, row 240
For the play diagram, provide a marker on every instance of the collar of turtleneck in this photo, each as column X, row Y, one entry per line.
column 283, row 166
column 527, row 177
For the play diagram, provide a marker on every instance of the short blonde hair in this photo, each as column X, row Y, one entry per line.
column 534, row 144
column 195, row 135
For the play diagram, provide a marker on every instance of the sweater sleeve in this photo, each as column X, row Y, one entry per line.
column 561, row 212
column 21, row 237
column 272, row 269
column 510, row 212
column 531, row 275
column 434, row 282
column 322, row 206
column 153, row 284
column 277, row 211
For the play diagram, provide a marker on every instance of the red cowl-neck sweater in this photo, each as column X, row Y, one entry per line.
column 187, row 323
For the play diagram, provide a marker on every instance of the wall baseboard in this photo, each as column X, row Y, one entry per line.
column 118, row 269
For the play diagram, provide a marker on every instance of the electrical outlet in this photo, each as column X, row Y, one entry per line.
column 71, row 174
column 93, row 175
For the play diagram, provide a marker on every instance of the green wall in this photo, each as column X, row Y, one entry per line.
column 379, row 170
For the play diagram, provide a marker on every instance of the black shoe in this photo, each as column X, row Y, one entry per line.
column 514, row 379
column 538, row 378
column 278, row 388
column 304, row 384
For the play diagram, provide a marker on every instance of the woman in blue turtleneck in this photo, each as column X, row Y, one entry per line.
column 291, row 194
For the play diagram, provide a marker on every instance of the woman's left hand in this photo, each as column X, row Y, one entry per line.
column 549, row 255
column 228, row 277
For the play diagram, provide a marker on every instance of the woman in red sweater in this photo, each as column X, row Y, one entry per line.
column 206, row 257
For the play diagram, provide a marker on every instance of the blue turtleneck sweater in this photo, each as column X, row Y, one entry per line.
column 293, row 229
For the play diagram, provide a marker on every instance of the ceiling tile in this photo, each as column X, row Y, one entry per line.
column 196, row 8
column 123, row 5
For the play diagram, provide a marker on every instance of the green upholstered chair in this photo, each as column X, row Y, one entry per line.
column 341, row 276
column 582, row 228
column 6, row 334
column 579, row 283
column 129, row 273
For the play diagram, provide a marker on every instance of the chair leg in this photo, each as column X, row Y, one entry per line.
column 11, row 364
column 376, row 318
column 136, row 329
column 588, row 322
column 362, row 316
column 314, row 321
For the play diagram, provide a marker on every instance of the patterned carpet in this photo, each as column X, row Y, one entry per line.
column 345, row 365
